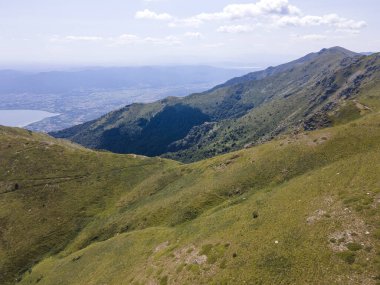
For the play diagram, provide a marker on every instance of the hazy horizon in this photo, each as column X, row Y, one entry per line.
column 37, row 67
column 79, row 67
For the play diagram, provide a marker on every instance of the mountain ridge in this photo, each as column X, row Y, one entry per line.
column 243, row 111
column 283, row 67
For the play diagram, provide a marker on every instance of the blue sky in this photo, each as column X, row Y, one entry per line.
column 143, row 32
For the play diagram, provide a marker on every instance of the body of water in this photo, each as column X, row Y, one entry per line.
column 22, row 118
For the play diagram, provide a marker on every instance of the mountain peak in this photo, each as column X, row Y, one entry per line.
column 336, row 50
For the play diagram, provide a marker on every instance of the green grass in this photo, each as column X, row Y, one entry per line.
column 100, row 218
column 61, row 189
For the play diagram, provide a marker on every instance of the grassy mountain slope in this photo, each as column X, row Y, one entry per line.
column 301, row 209
column 309, row 106
column 49, row 191
column 246, row 110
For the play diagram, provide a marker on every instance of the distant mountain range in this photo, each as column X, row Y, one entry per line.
column 312, row 92
column 367, row 53
column 111, row 78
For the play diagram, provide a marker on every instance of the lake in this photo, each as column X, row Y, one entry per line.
column 22, row 118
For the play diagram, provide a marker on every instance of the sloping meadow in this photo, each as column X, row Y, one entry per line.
column 302, row 209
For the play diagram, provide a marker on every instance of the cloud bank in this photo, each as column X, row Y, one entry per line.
column 243, row 18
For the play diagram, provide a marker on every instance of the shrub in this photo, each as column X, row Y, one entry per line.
column 376, row 234
column 180, row 268
column 164, row 280
column 206, row 249
column 194, row 268
column 213, row 252
column 368, row 248
column 223, row 264
column 348, row 256
column 353, row 246
column 276, row 263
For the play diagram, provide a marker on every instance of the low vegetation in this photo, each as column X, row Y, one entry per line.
column 302, row 209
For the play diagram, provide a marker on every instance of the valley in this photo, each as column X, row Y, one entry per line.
column 84, row 95
column 295, row 200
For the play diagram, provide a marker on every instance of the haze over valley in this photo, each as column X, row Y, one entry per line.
column 81, row 96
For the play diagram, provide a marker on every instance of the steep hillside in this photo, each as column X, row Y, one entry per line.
column 301, row 209
column 317, row 103
column 50, row 190
column 243, row 111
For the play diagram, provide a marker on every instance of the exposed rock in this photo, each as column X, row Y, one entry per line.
column 317, row 121
column 316, row 217
column 161, row 246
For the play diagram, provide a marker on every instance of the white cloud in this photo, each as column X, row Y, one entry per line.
column 236, row 29
column 213, row 45
column 76, row 38
column 330, row 20
column 84, row 38
column 348, row 31
column 188, row 22
column 150, row 15
column 230, row 12
column 270, row 13
column 124, row 39
column 251, row 10
column 313, row 37
column 194, row 35
column 169, row 40
column 128, row 39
